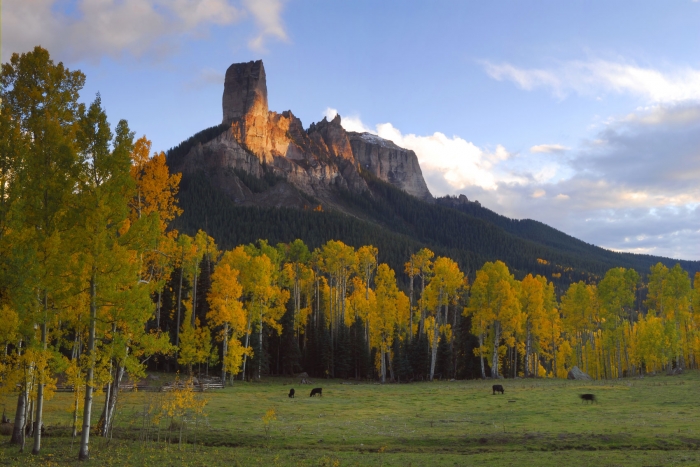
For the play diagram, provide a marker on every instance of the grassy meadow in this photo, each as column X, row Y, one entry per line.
column 648, row 421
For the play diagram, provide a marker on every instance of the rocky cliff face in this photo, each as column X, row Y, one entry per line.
column 390, row 163
column 315, row 161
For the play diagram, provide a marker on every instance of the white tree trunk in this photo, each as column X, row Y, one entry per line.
column 496, row 340
column 18, row 429
column 194, row 298
column 109, row 419
column 527, row 351
column 260, row 346
column 247, row 343
column 84, row 453
column 433, row 356
column 177, row 320
column 481, row 355
column 382, row 364
column 40, row 387
column 225, row 353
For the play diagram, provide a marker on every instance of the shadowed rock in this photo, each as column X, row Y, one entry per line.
column 576, row 373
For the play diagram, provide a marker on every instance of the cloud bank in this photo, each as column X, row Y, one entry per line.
column 632, row 187
column 594, row 77
column 93, row 29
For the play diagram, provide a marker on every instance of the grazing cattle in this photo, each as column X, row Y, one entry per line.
column 587, row 397
column 497, row 388
column 291, row 393
column 315, row 391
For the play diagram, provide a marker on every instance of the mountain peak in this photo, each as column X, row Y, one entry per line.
column 245, row 91
column 317, row 161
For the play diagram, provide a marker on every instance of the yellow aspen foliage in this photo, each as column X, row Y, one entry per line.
column 195, row 344
column 495, row 309
column 650, row 342
column 156, row 188
column 9, row 330
column 383, row 317
column 224, row 298
column 179, row 404
column 532, row 305
column 226, row 311
column 360, row 301
column 267, row 419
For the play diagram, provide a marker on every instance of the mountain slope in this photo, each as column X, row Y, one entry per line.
column 261, row 175
column 398, row 225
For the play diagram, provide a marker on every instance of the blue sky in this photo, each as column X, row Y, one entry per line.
column 584, row 115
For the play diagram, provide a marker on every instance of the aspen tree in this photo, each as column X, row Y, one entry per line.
column 494, row 307
column 297, row 256
column 240, row 260
column 385, row 314
column 411, row 271
column 267, row 298
column 186, row 250
column 581, row 318
column 195, row 343
column 155, row 195
column 617, row 293
column 550, row 328
column 225, row 309
column 481, row 313
column 444, row 286
column 532, row 305
column 40, row 112
column 423, row 262
column 366, row 266
column 109, row 245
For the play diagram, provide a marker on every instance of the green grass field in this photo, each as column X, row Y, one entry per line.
column 650, row 421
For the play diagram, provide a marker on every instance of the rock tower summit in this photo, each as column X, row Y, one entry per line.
column 317, row 161
column 245, row 91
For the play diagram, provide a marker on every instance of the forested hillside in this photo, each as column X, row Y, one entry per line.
column 543, row 234
column 399, row 224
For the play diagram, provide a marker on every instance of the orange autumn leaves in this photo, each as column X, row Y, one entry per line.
column 156, row 188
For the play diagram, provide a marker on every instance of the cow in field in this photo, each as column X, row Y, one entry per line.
column 315, row 391
column 588, row 397
column 291, row 393
column 497, row 388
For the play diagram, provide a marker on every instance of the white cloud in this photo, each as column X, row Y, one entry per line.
column 351, row 123
column 449, row 164
column 548, row 149
column 596, row 77
column 632, row 187
column 459, row 162
column 98, row 28
column 268, row 17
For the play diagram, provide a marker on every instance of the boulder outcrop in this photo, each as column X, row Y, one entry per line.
column 315, row 161
column 577, row 373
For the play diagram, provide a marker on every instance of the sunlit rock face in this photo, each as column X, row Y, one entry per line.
column 245, row 91
column 390, row 163
column 315, row 161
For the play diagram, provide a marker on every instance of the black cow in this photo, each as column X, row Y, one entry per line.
column 497, row 388
column 315, row 391
column 291, row 393
column 588, row 397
